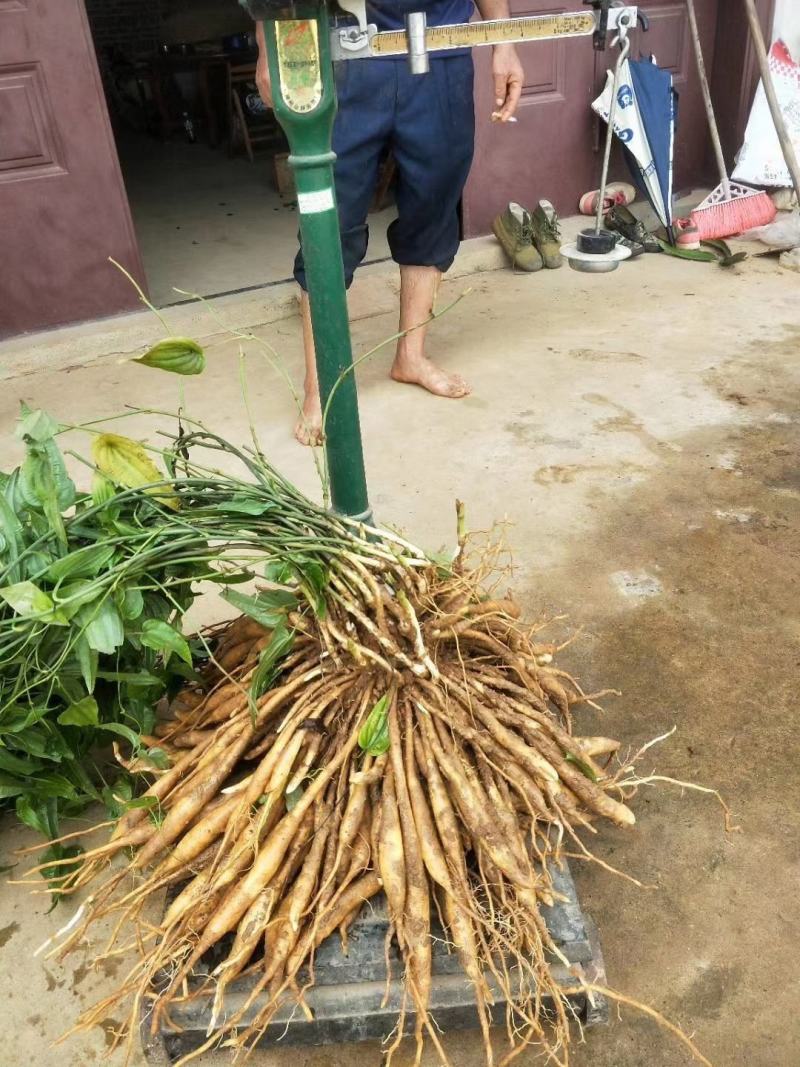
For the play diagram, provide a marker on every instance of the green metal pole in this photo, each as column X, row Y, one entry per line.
column 304, row 99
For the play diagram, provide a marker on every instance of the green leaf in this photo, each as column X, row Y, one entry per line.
column 11, row 787
column 72, row 596
column 732, row 261
column 373, row 737
column 178, row 355
column 717, row 245
column 84, row 563
column 31, row 602
column 36, row 425
column 11, row 530
column 82, row 713
column 88, row 659
column 14, row 718
column 34, row 813
column 44, row 741
column 162, row 637
column 242, row 504
column 687, row 253
column 122, row 730
column 231, row 577
column 156, row 756
column 117, row 797
column 103, row 489
column 103, row 626
column 132, row 604
column 36, row 563
column 142, row 802
column 280, row 571
column 55, row 875
column 278, row 648
column 54, row 785
column 44, row 483
column 268, row 608
column 20, row 765
column 135, row 678
column 65, row 487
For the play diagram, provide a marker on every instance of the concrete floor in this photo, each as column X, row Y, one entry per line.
column 210, row 224
column 639, row 432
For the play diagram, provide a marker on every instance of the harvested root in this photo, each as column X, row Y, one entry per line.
column 417, row 740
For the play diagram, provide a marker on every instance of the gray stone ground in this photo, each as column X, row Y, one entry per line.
column 639, row 432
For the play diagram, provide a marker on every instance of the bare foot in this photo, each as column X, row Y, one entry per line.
column 423, row 372
column 308, row 429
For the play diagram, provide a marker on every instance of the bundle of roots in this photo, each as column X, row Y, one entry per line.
column 278, row 818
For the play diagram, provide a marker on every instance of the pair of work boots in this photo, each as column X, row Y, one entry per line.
column 531, row 240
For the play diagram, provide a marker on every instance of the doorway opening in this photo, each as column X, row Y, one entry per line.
column 204, row 162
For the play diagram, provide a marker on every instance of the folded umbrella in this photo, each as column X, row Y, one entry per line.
column 645, row 121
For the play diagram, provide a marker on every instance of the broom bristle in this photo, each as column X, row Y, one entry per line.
column 717, row 217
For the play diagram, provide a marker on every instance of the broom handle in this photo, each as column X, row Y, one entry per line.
column 789, row 153
column 712, row 120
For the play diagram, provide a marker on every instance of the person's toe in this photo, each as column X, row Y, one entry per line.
column 308, row 431
column 458, row 387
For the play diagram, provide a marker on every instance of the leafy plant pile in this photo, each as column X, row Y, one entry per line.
column 93, row 586
column 379, row 723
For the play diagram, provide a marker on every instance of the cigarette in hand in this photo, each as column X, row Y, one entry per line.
column 496, row 117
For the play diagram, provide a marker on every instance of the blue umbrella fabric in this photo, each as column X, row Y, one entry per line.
column 645, row 122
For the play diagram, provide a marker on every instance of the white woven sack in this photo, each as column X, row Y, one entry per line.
column 760, row 161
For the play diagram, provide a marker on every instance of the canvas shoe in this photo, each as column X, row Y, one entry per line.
column 616, row 193
column 623, row 221
column 687, row 235
column 514, row 230
column 546, row 234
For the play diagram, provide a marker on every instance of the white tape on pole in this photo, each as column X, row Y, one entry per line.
column 316, row 202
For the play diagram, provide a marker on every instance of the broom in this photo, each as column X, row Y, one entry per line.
column 731, row 208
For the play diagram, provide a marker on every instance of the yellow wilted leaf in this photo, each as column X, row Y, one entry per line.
column 126, row 463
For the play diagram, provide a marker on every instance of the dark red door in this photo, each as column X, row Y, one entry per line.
column 553, row 151
column 63, row 208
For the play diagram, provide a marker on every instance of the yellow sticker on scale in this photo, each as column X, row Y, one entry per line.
column 299, row 63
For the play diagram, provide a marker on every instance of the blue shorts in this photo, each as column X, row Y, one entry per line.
column 428, row 122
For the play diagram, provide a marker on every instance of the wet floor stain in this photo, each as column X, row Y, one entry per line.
column 597, row 355
column 564, row 474
column 111, row 1027
column 625, row 421
column 715, row 654
column 7, row 932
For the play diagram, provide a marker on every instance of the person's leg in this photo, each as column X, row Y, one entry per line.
column 366, row 101
column 418, row 286
column 308, row 429
column 433, row 144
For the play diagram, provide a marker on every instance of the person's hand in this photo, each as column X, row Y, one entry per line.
column 508, row 78
column 263, row 83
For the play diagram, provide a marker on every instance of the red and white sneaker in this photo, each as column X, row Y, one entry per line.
column 687, row 235
column 616, row 193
